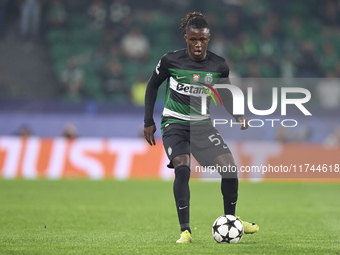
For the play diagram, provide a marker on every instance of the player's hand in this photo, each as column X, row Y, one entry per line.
column 149, row 134
column 244, row 121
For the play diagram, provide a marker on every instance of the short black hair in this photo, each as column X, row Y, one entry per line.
column 193, row 20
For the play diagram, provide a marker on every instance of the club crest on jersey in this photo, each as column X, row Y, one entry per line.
column 169, row 150
column 208, row 78
column 196, row 77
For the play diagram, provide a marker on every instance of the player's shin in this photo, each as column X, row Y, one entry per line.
column 182, row 195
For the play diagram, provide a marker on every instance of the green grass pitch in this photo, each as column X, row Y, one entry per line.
column 139, row 217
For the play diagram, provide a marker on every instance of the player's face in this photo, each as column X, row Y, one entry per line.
column 197, row 41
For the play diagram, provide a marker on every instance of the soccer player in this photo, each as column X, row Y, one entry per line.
column 186, row 132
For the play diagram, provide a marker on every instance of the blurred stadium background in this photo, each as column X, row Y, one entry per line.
column 79, row 69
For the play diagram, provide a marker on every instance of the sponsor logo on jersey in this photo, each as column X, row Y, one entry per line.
column 189, row 89
column 199, row 90
column 196, row 77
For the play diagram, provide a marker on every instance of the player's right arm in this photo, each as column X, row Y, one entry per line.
column 158, row 76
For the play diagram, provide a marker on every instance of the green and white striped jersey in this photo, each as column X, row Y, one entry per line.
column 184, row 87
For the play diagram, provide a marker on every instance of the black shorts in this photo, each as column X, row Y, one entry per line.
column 205, row 144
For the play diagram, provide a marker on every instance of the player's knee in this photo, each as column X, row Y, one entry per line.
column 181, row 160
column 228, row 171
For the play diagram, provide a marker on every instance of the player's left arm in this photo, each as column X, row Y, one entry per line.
column 227, row 99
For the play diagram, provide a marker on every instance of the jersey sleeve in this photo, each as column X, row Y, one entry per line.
column 160, row 74
column 162, row 70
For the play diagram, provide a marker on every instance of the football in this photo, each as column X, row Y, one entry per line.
column 227, row 229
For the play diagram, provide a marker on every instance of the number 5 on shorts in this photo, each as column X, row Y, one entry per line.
column 217, row 141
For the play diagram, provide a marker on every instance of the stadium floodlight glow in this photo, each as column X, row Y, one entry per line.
column 238, row 100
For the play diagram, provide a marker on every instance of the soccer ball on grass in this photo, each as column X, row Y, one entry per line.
column 227, row 229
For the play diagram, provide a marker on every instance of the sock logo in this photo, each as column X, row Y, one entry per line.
column 181, row 208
